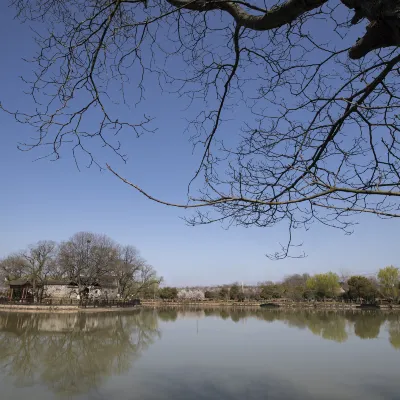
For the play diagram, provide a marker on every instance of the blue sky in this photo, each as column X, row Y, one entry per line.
column 53, row 200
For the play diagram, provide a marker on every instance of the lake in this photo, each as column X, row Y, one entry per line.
column 200, row 354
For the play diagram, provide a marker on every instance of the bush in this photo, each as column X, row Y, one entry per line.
column 168, row 293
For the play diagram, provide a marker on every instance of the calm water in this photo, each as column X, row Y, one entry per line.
column 200, row 354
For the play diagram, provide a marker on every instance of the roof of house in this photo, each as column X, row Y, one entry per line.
column 19, row 282
column 24, row 281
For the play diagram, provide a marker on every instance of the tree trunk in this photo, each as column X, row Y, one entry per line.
column 80, row 293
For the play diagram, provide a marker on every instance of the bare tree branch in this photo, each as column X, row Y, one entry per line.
column 292, row 128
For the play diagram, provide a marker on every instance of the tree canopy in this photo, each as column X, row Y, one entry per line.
column 168, row 293
column 295, row 107
column 324, row 285
column 361, row 287
column 389, row 280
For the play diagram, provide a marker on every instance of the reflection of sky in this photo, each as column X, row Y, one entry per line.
column 242, row 357
column 213, row 358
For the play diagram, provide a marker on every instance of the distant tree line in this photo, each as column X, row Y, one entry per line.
column 300, row 287
column 84, row 259
column 87, row 257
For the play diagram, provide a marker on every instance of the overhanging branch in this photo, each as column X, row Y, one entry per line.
column 274, row 18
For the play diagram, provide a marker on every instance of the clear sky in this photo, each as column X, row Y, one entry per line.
column 53, row 200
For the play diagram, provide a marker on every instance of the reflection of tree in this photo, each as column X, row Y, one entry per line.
column 168, row 314
column 330, row 325
column 224, row 314
column 37, row 348
column 210, row 312
column 237, row 315
column 394, row 330
column 368, row 325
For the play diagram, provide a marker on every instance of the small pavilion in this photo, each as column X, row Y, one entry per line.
column 20, row 289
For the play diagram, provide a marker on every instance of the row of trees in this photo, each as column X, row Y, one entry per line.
column 386, row 285
column 87, row 257
column 84, row 259
column 232, row 292
column 324, row 286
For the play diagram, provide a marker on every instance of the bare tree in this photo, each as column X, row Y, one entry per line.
column 86, row 257
column 317, row 137
column 40, row 264
column 13, row 267
column 133, row 273
column 295, row 286
column 36, row 264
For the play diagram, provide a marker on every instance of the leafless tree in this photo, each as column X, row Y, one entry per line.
column 12, row 267
column 36, row 264
column 40, row 264
column 87, row 257
column 316, row 109
column 133, row 273
column 295, row 286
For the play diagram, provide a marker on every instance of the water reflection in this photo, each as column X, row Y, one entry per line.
column 75, row 354
column 330, row 325
column 394, row 330
column 72, row 353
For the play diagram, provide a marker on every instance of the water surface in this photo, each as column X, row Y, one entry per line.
column 200, row 354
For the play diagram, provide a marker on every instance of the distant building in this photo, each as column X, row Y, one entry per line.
column 102, row 288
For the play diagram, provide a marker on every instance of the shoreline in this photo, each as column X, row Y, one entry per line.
column 279, row 305
column 160, row 305
column 62, row 309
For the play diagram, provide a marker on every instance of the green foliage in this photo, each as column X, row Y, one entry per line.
column 234, row 292
column 168, row 293
column 241, row 297
column 324, row 285
column 295, row 287
column 389, row 281
column 367, row 326
column 211, row 294
column 361, row 287
column 271, row 292
column 224, row 293
column 167, row 315
column 394, row 331
column 328, row 326
column 150, row 290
